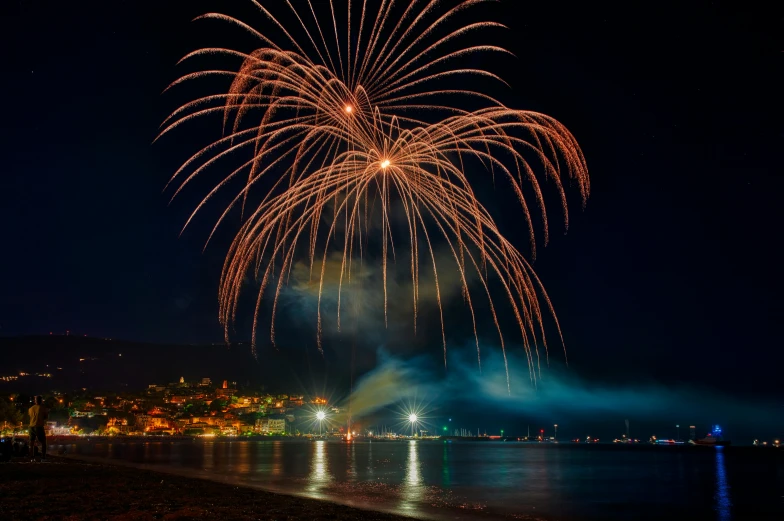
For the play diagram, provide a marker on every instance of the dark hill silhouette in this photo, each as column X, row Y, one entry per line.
column 98, row 363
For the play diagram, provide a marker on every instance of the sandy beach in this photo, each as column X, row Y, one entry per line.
column 76, row 490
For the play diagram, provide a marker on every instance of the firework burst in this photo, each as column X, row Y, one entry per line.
column 332, row 123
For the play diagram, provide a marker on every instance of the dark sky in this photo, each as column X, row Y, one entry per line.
column 671, row 274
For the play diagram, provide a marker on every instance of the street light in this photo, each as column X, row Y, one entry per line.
column 320, row 417
column 556, row 432
column 413, row 419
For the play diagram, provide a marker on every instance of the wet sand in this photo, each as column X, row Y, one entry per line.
column 78, row 490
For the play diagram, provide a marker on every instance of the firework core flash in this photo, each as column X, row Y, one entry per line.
column 304, row 173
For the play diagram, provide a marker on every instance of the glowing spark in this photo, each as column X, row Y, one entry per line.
column 412, row 418
column 320, row 415
column 284, row 117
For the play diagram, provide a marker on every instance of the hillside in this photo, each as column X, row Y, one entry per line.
column 75, row 362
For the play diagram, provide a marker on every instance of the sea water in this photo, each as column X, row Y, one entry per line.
column 467, row 480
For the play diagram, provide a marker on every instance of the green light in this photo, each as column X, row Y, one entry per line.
column 444, row 427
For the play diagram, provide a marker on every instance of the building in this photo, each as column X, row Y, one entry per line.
column 244, row 401
column 692, row 432
column 200, row 428
column 53, row 429
column 225, row 392
column 271, row 425
column 147, row 422
column 216, row 421
column 205, row 382
column 119, row 425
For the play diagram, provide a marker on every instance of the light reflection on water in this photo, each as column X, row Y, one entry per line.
column 351, row 471
column 445, row 474
column 370, row 463
column 209, row 454
column 722, row 495
column 461, row 479
column 277, row 458
column 319, row 471
column 412, row 491
column 244, row 458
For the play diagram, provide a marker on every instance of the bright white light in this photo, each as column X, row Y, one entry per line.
column 349, row 109
column 385, row 163
column 412, row 418
column 320, row 415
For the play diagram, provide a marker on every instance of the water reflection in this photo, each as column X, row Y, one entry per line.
column 492, row 480
column 722, row 501
column 244, row 458
column 412, row 491
column 351, row 471
column 277, row 458
column 319, row 476
column 446, row 480
column 209, row 455
column 371, row 463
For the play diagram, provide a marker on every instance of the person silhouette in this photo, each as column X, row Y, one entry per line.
column 38, row 417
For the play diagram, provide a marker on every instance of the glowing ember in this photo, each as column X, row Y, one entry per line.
column 283, row 109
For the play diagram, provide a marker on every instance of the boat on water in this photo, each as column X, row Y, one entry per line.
column 713, row 439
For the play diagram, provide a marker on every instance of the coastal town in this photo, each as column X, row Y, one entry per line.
column 203, row 408
column 199, row 408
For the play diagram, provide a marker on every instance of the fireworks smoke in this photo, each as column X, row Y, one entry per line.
column 329, row 121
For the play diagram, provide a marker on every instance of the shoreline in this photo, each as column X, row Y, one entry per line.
column 81, row 488
column 231, row 481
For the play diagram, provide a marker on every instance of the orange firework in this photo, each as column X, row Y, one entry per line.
column 331, row 125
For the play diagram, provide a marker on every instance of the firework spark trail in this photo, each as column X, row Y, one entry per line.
column 332, row 127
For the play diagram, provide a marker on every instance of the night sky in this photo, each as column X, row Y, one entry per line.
column 672, row 273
